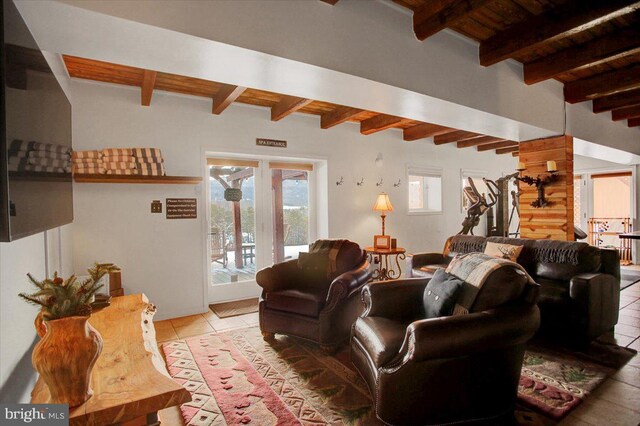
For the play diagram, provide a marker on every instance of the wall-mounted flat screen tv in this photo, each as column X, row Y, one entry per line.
column 36, row 190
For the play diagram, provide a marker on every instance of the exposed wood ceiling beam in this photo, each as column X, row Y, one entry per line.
column 633, row 122
column 625, row 113
column 226, row 95
column 455, row 136
column 146, row 89
column 478, row 141
column 602, row 84
column 331, row 2
column 595, row 52
column 337, row 116
column 515, row 153
column 568, row 19
column 507, row 150
column 424, row 130
column 618, row 100
column 435, row 16
column 288, row 105
column 378, row 123
column 497, row 145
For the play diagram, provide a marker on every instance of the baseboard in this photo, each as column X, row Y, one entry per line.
column 163, row 314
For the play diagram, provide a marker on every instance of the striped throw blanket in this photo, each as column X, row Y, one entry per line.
column 48, row 154
column 119, row 165
column 124, row 152
column 474, row 269
column 122, row 171
column 148, row 155
column 151, row 169
column 79, row 155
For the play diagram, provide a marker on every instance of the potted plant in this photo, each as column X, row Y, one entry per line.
column 69, row 345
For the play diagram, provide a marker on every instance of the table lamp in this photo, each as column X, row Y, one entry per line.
column 383, row 204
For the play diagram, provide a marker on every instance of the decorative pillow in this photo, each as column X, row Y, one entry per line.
column 316, row 264
column 503, row 251
column 440, row 294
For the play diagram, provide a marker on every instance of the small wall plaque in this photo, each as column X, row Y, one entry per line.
column 182, row 208
column 271, row 142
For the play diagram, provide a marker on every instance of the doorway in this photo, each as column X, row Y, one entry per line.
column 259, row 214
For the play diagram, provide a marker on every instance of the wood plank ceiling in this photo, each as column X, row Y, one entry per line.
column 223, row 95
column 592, row 46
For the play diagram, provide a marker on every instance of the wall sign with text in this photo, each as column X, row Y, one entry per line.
column 182, row 208
column 271, row 142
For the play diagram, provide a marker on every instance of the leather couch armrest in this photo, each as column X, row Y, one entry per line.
column 279, row 276
column 454, row 336
column 599, row 296
column 344, row 285
column 420, row 259
column 394, row 299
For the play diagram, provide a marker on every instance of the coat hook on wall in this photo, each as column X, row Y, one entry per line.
column 340, row 182
column 361, row 182
column 395, row 185
column 379, row 183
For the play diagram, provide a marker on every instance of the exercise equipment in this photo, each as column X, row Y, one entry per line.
column 479, row 204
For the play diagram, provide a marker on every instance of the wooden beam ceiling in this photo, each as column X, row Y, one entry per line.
column 227, row 94
column 146, row 89
column 478, row 141
column 455, row 136
column 560, row 22
column 223, row 95
column 619, row 100
column 633, row 122
column 612, row 46
column 331, row 2
column 424, row 130
column 288, row 105
column 602, row 84
column 507, row 150
column 497, row 145
column 378, row 123
column 625, row 113
column 434, row 16
column 337, row 116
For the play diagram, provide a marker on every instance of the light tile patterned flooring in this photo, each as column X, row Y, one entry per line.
column 615, row 402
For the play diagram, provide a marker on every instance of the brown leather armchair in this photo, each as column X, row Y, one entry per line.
column 314, row 305
column 443, row 370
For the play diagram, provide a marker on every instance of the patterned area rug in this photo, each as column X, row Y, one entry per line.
column 236, row 378
column 556, row 382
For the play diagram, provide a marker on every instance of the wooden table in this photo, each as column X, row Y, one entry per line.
column 385, row 270
column 130, row 381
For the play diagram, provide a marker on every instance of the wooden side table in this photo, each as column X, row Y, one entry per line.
column 385, row 270
column 130, row 381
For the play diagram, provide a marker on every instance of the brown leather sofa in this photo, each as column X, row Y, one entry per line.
column 577, row 301
column 311, row 304
column 444, row 370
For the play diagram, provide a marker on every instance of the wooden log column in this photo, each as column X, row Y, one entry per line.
column 554, row 222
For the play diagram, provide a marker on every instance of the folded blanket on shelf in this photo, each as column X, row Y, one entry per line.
column 89, row 170
column 151, row 155
column 123, row 172
column 118, row 159
column 49, row 154
column 18, row 161
column 18, row 154
column 151, row 169
column 108, row 152
column 41, row 169
column 50, row 147
column 120, row 165
column 20, row 145
column 86, row 154
column 88, row 162
column 51, row 162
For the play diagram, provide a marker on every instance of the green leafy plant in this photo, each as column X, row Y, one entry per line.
column 60, row 298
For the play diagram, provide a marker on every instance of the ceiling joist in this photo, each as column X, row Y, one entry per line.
column 226, row 95
column 424, row 130
column 602, row 84
column 146, row 89
column 625, row 113
column 434, row 16
column 497, row 145
column 378, row 123
column 507, row 150
column 478, row 141
column 633, row 122
column 288, row 105
column 337, row 116
column 560, row 22
column 619, row 100
column 455, row 136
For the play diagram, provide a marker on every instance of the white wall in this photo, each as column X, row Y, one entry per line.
column 17, row 334
column 165, row 258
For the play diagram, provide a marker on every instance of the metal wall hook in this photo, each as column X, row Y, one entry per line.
column 340, row 182
column 361, row 182
column 395, row 185
column 379, row 183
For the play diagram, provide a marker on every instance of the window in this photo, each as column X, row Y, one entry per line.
column 425, row 191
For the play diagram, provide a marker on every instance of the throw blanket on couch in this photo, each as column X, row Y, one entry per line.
column 467, row 244
column 558, row 252
column 332, row 248
column 474, row 269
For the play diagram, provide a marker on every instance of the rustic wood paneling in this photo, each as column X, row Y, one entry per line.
column 554, row 222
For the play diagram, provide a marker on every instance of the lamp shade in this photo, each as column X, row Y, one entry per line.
column 383, row 204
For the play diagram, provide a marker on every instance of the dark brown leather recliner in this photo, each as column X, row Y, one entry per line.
column 313, row 304
column 443, row 370
column 577, row 301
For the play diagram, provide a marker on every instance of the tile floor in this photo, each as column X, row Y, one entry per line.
column 615, row 402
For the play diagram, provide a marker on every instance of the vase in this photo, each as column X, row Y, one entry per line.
column 65, row 357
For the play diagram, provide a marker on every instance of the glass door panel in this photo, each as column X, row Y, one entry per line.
column 290, row 210
column 232, row 233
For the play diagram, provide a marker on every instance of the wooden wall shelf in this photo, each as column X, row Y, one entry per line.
column 137, row 179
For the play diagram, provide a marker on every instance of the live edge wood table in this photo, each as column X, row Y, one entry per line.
column 130, row 382
column 385, row 270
